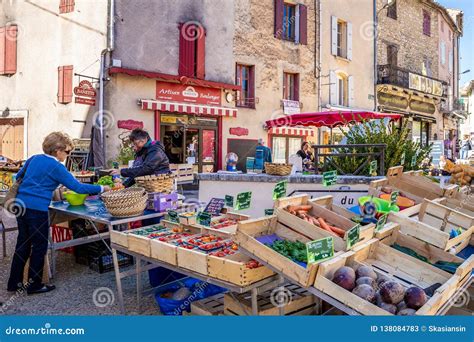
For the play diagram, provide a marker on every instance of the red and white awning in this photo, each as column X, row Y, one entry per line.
column 304, row 132
column 188, row 108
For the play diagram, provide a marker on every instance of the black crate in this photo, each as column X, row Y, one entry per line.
column 104, row 263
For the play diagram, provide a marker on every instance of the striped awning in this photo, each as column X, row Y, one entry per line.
column 188, row 108
column 304, row 132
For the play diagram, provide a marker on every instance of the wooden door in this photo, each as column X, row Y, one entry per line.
column 12, row 138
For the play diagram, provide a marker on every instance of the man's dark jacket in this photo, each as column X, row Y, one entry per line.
column 150, row 160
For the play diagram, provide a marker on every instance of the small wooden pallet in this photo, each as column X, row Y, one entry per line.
column 432, row 222
column 323, row 207
column 406, row 270
column 212, row 306
column 299, row 303
column 248, row 231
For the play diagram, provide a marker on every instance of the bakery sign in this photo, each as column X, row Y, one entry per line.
column 425, row 84
column 85, row 93
column 189, row 94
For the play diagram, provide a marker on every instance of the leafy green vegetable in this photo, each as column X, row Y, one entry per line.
column 295, row 251
column 106, row 180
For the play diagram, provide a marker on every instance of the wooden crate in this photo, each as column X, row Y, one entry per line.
column 323, row 208
column 196, row 260
column 167, row 252
column 187, row 220
column 463, row 204
column 212, row 306
column 391, row 234
column 183, row 172
column 413, row 184
column 229, row 229
column 233, row 270
column 398, row 266
column 432, row 223
column 121, row 237
column 300, row 303
column 248, row 231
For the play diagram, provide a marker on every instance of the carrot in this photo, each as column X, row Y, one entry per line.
column 299, row 207
column 337, row 230
column 302, row 212
column 324, row 225
column 292, row 212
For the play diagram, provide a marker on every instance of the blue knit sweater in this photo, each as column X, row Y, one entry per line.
column 43, row 175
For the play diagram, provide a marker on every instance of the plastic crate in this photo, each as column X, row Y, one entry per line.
column 104, row 263
column 162, row 202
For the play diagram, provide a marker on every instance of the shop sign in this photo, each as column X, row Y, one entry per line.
column 291, row 107
column 239, row 131
column 424, row 107
column 280, row 190
column 85, row 89
column 320, row 250
column 243, row 200
column 329, row 178
column 392, row 100
column 353, row 236
column 215, row 206
column 185, row 93
column 129, row 124
column 172, row 119
column 85, row 101
column 229, row 201
column 425, row 84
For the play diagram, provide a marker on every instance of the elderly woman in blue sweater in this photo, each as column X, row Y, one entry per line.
column 41, row 175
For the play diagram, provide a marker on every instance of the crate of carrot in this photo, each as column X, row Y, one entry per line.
column 330, row 219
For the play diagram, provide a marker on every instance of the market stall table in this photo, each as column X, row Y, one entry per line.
column 93, row 211
column 255, row 288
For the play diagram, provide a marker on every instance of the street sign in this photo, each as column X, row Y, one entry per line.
column 353, row 236
column 319, row 250
column 280, row 190
column 243, row 200
column 329, row 178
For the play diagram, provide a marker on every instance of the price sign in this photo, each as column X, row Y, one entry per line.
column 280, row 190
column 381, row 222
column 319, row 250
column 229, row 201
column 173, row 216
column 215, row 205
column 393, row 198
column 243, row 200
column 268, row 212
column 413, row 161
column 329, row 178
column 373, row 168
column 402, row 161
column 204, row 218
column 353, row 236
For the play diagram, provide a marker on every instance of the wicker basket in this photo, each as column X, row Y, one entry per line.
column 157, row 183
column 126, row 202
column 278, row 169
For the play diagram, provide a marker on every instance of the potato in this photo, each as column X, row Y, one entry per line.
column 457, row 169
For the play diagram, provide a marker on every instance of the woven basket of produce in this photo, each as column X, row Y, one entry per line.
column 278, row 169
column 126, row 210
column 125, row 202
column 157, row 183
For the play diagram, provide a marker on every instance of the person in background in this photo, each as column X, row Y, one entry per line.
column 150, row 158
column 465, row 147
column 306, row 155
column 267, row 152
column 40, row 176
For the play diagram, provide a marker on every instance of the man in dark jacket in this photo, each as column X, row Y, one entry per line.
column 150, row 158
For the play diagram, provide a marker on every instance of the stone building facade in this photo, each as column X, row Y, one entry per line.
column 412, row 79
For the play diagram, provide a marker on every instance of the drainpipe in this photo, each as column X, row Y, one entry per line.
column 318, row 37
column 376, row 35
column 103, row 59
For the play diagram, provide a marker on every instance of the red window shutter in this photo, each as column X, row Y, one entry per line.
column 278, row 22
column 187, row 49
column 201, row 52
column 297, row 87
column 3, row 40
column 251, row 93
column 66, row 6
column 11, row 33
column 65, row 75
column 303, row 24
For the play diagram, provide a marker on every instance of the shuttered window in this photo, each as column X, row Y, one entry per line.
column 392, row 10
column 245, row 77
column 192, row 50
column 426, row 23
column 291, row 86
column 8, row 46
column 291, row 22
column 66, row 6
column 65, row 76
column 341, row 38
